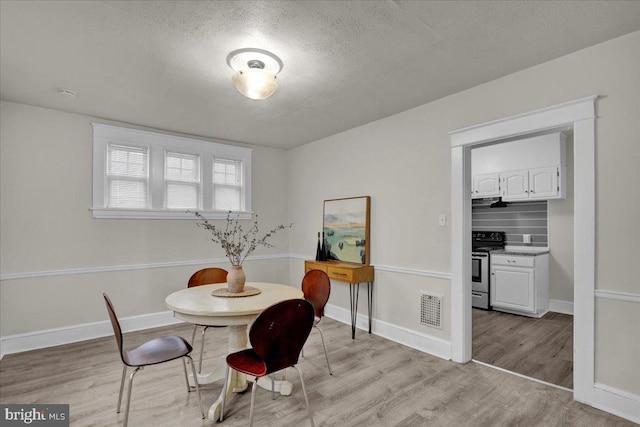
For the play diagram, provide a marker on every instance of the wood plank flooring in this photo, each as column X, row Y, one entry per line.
column 538, row 348
column 376, row 382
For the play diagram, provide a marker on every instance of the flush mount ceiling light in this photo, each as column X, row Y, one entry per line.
column 256, row 71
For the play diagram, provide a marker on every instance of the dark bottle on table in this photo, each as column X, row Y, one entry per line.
column 319, row 251
column 325, row 249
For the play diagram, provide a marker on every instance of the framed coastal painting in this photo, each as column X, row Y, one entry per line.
column 346, row 229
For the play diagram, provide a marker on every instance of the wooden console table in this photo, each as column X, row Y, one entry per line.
column 350, row 273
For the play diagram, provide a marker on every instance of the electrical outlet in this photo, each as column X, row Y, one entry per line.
column 442, row 220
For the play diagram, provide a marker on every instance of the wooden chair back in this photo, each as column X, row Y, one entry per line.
column 117, row 330
column 207, row 276
column 280, row 331
column 316, row 288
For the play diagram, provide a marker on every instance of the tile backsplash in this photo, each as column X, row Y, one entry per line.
column 516, row 220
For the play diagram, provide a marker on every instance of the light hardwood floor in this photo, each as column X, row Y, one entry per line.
column 376, row 382
column 539, row 348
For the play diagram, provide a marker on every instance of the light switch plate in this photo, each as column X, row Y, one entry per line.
column 442, row 220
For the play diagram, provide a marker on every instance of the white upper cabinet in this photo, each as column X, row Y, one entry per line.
column 543, row 182
column 486, row 185
column 526, row 169
column 534, row 184
column 515, row 185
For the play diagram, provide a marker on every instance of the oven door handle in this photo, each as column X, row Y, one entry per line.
column 476, row 295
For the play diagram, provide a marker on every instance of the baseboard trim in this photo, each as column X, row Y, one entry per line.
column 422, row 342
column 560, row 306
column 66, row 335
column 617, row 402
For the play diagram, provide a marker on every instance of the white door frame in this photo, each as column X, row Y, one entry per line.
column 580, row 116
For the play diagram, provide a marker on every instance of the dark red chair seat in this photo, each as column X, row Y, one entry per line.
column 248, row 362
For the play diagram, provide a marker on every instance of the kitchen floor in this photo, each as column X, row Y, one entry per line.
column 538, row 348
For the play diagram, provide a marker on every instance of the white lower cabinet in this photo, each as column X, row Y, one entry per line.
column 520, row 284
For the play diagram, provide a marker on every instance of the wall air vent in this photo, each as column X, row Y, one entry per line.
column 431, row 310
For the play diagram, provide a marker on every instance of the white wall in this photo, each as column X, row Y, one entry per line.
column 46, row 226
column 403, row 163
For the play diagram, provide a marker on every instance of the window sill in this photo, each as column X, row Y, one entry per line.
column 114, row 213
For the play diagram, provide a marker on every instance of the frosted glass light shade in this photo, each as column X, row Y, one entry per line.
column 255, row 83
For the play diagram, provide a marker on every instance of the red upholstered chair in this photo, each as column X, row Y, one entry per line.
column 277, row 337
column 316, row 288
column 156, row 351
column 206, row 276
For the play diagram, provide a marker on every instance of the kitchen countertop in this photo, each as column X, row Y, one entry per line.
column 518, row 251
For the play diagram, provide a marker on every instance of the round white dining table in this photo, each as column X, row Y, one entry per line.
column 198, row 306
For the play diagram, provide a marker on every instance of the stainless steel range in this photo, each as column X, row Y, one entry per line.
column 482, row 243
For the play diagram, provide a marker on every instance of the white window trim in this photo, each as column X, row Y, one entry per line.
column 160, row 143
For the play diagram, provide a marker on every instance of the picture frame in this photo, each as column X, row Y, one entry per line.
column 345, row 223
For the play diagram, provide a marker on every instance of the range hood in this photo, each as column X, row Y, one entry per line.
column 499, row 203
column 489, row 202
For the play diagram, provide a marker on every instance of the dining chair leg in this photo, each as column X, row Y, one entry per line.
column 124, row 374
column 193, row 336
column 126, row 411
column 195, row 381
column 253, row 399
column 304, row 392
column 273, row 386
column 325, row 349
column 225, row 385
column 186, row 376
column 201, row 350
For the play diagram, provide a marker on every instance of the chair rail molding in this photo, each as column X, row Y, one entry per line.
column 127, row 267
column 579, row 115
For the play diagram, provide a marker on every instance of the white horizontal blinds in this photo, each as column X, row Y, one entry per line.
column 227, row 184
column 182, row 177
column 127, row 177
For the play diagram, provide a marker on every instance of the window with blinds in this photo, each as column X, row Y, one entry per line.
column 140, row 174
column 182, row 180
column 127, row 177
column 227, row 184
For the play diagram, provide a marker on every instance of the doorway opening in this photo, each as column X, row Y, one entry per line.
column 540, row 345
column 578, row 116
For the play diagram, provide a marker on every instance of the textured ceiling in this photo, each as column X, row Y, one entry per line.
column 163, row 64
